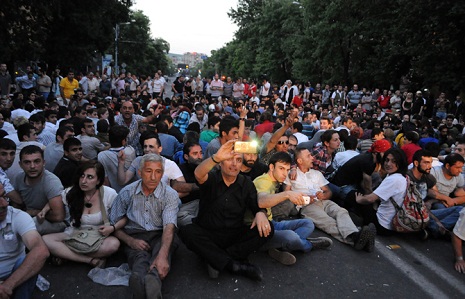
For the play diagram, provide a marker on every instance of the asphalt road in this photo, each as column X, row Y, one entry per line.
column 422, row 269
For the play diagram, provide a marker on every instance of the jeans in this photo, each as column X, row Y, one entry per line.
column 448, row 217
column 291, row 235
column 24, row 290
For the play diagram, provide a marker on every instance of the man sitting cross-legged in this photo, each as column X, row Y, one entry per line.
column 326, row 214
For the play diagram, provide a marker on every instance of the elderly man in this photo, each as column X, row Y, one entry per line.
column 18, row 270
column 151, row 207
column 218, row 235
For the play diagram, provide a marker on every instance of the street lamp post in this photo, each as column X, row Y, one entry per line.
column 116, row 44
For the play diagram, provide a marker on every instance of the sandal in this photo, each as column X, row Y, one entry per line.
column 56, row 261
column 97, row 262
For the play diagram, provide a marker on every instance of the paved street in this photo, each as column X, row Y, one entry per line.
column 417, row 269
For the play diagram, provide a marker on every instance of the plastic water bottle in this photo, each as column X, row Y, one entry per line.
column 42, row 283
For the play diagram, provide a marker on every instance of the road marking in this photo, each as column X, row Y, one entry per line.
column 410, row 272
column 450, row 279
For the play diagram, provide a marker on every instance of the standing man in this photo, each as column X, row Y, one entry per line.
column 44, row 83
column 216, row 87
column 178, row 87
column 67, row 87
column 218, row 234
column 5, row 81
column 18, row 270
column 149, row 237
column 354, row 97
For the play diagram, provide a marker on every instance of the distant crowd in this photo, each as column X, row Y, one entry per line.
column 92, row 164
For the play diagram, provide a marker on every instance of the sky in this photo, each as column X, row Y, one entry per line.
column 190, row 26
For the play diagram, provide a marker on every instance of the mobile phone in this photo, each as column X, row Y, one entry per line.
column 245, row 147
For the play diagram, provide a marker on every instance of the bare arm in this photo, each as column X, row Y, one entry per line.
column 161, row 262
column 57, row 210
column 124, row 176
column 280, row 132
column 180, row 180
column 367, row 184
column 225, row 152
column 457, row 245
column 35, row 259
column 366, row 199
column 16, row 199
column 267, row 200
column 242, row 114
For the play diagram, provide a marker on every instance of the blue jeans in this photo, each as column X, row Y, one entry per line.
column 290, row 235
column 24, row 290
column 448, row 217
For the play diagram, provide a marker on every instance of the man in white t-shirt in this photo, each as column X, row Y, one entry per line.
column 151, row 145
column 18, row 270
column 450, row 182
column 326, row 214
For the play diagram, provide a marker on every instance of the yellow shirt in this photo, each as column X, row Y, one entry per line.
column 69, row 87
column 265, row 184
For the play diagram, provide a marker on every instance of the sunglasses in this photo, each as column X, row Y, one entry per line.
column 282, row 142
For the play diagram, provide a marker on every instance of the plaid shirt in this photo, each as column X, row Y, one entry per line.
column 322, row 159
column 182, row 121
column 133, row 137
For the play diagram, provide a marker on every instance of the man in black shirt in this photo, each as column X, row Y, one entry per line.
column 251, row 167
column 178, row 87
column 218, row 234
column 190, row 203
column 68, row 164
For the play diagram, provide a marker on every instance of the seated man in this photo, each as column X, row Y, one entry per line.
column 327, row 215
column 289, row 235
column 91, row 146
column 68, row 164
column 149, row 236
column 442, row 220
column 18, row 270
column 252, row 167
column 450, row 182
column 458, row 238
column 218, row 234
column 40, row 191
column 151, row 145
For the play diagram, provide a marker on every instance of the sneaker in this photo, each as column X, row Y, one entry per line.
column 212, row 272
column 320, row 242
column 284, row 257
column 361, row 238
column 370, row 245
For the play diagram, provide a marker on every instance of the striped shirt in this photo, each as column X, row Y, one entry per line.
column 150, row 213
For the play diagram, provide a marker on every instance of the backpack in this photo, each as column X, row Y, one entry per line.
column 413, row 215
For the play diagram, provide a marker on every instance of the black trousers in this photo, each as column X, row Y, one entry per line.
column 219, row 247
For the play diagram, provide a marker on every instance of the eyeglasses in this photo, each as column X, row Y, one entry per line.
column 280, row 142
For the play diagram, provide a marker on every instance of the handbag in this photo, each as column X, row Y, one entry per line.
column 412, row 215
column 88, row 239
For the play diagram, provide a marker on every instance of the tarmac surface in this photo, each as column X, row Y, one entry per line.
column 417, row 268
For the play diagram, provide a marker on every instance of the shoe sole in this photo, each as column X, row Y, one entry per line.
column 283, row 257
column 364, row 238
column 320, row 242
column 370, row 246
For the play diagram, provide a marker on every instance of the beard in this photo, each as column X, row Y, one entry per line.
column 249, row 163
column 194, row 161
column 425, row 171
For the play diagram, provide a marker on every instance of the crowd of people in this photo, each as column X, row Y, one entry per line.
column 100, row 164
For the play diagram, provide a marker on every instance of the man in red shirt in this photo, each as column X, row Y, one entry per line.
column 384, row 100
column 410, row 146
column 266, row 124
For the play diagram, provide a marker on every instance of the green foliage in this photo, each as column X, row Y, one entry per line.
column 369, row 42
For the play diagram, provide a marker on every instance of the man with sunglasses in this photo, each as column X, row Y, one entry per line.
column 18, row 270
column 68, row 164
column 278, row 142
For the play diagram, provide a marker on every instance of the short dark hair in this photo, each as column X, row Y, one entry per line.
column 399, row 157
column 417, row 156
column 7, row 144
column 148, row 135
column 24, row 130
column 103, row 126
column 298, row 126
column 62, row 132
column 412, row 136
column 327, row 135
column 37, row 117
column 161, row 127
column 374, row 132
column 71, row 142
column 212, row 121
column 451, row 159
column 433, row 148
column 29, row 150
column 227, row 123
column 187, row 147
column 280, row 157
column 117, row 135
column 47, row 113
column 351, row 142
